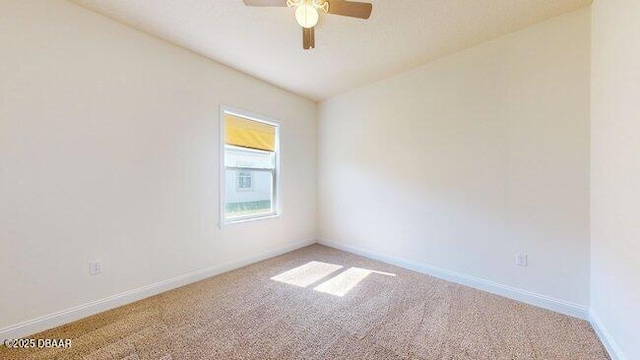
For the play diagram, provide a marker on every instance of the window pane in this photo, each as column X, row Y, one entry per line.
column 249, row 133
column 244, row 180
column 248, row 158
column 249, row 168
column 248, row 192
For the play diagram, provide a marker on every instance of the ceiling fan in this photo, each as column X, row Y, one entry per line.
column 307, row 13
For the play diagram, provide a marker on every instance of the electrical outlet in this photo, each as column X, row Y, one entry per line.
column 95, row 267
column 521, row 259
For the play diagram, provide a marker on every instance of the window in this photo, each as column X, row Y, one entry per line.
column 244, row 180
column 250, row 174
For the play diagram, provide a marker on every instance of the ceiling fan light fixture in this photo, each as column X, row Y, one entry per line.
column 307, row 15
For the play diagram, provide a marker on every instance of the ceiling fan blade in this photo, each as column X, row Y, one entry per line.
column 308, row 38
column 281, row 3
column 350, row 8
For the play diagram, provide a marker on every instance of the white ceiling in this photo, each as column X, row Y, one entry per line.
column 267, row 42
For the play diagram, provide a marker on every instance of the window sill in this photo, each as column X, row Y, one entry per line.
column 247, row 219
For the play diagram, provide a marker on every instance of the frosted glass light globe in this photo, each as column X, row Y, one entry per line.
column 307, row 15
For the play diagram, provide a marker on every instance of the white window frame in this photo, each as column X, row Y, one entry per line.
column 276, row 211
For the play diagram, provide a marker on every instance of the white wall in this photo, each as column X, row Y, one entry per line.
column 463, row 162
column 109, row 150
column 615, row 174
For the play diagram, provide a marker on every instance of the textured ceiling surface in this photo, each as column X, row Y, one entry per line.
column 267, row 42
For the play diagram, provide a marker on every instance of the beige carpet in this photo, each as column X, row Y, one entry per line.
column 323, row 304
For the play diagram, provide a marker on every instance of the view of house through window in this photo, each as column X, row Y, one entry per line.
column 244, row 180
column 250, row 158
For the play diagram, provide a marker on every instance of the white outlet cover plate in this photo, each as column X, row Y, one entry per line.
column 521, row 259
column 95, row 267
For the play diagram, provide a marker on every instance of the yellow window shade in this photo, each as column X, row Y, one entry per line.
column 248, row 133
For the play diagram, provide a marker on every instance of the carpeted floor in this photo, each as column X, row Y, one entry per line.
column 321, row 303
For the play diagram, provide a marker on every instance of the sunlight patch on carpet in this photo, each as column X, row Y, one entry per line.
column 307, row 274
column 341, row 284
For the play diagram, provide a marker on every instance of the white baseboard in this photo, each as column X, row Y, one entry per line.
column 529, row 297
column 605, row 337
column 49, row 321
